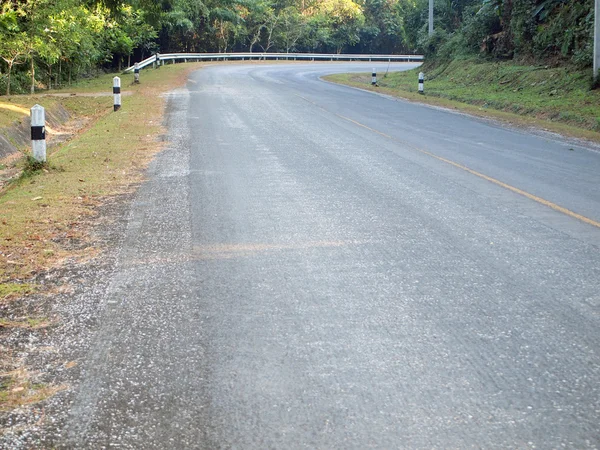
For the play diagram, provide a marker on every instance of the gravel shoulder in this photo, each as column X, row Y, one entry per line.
column 87, row 194
column 52, row 354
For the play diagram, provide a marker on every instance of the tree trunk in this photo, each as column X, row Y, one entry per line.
column 32, row 75
column 59, row 77
column 129, row 60
column 70, row 70
column 8, row 83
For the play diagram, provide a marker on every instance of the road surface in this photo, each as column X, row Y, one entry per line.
column 315, row 266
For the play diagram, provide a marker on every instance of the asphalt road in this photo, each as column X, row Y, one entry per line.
column 314, row 266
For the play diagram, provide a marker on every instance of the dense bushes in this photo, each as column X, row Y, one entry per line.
column 550, row 31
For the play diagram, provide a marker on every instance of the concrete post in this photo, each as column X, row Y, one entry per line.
column 117, row 93
column 421, row 83
column 38, row 133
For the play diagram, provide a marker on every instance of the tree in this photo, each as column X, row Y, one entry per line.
column 291, row 26
column 13, row 52
column 344, row 18
column 260, row 15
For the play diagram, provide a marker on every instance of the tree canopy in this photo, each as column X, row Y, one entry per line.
column 548, row 31
column 47, row 43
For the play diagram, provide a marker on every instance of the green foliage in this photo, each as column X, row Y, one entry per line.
column 568, row 33
column 550, row 31
column 479, row 23
column 49, row 43
column 32, row 166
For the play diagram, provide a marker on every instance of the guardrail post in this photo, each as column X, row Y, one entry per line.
column 421, row 83
column 374, row 77
column 117, row 93
column 38, row 133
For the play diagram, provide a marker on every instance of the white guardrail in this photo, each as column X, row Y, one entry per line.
column 186, row 57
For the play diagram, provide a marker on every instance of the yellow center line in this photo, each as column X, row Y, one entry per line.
column 516, row 190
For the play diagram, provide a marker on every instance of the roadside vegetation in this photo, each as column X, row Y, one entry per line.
column 527, row 32
column 48, row 44
column 44, row 210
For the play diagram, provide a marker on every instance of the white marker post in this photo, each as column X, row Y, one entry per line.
column 421, row 83
column 117, row 92
column 38, row 133
column 136, row 73
column 374, row 78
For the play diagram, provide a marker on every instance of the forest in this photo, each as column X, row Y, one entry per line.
column 46, row 44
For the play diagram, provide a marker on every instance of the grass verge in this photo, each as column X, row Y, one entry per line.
column 44, row 212
column 555, row 99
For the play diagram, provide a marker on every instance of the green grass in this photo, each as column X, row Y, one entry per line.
column 76, row 98
column 16, row 389
column 7, row 118
column 555, row 98
column 8, row 290
column 29, row 323
column 46, row 213
column 15, row 108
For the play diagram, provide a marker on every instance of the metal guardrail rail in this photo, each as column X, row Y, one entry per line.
column 163, row 57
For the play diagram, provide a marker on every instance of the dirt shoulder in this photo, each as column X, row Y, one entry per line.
column 59, row 227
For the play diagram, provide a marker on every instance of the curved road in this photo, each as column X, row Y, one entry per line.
column 314, row 266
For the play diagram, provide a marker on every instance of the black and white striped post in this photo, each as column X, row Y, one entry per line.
column 136, row 73
column 117, row 93
column 421, row 83
column 38, row 133
column 374, row 78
